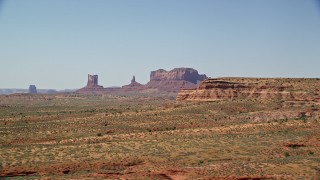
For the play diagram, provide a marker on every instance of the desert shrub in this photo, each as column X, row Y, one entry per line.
column 311, row 153
column 134, row 162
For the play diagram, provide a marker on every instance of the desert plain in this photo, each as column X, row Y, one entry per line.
column 153, row 136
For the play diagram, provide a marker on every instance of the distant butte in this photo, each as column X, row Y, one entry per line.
column 161, row 80
column 33, row 89
column 92, row 85
column 174, row 80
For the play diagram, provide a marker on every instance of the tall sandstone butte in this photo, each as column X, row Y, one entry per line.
column 92, row 85
column 92, row 80
column 174, row 80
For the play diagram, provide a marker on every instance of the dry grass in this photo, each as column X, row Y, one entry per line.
column 136, row 137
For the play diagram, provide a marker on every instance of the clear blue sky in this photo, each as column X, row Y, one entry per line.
column 56, row 43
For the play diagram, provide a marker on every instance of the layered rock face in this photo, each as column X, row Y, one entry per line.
column 92, row 85
column 186, row 74
column 175, row 79
column 250, row 88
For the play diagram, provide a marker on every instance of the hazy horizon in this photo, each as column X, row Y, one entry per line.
column 55, row 44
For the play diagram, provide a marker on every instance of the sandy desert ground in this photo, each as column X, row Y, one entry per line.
column 139, row 137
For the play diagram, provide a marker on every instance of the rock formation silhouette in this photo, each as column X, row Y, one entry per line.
column 33, row 89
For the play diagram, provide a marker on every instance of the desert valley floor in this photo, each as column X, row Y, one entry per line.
column 139, row 137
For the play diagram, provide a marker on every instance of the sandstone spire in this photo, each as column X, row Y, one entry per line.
column 133, row 80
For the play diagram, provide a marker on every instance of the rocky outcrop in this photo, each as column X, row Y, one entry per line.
column 160, row 80
column 92, row 81
column 33, row 89
column 133, row 80
column 177, row 74
column 174, row 80
column 133, row 86
column 170, row 85
column 250, row 88
column 92, row 85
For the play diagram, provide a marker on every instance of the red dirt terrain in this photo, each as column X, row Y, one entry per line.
column 267, row 129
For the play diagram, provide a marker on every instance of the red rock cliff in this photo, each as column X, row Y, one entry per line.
column 186, row 74
column 174, row 80
column 92, row 85
column 253, row 88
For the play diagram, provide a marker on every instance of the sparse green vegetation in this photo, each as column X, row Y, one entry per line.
column 286, row 154
column 132, row 137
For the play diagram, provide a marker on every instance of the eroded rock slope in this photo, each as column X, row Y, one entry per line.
column 253, row 88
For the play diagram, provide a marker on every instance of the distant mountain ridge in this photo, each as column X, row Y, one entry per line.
column 40, row 91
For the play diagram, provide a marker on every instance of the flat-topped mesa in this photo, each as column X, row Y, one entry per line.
column 174, row 80
column 186, row 74
column 252, row 88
